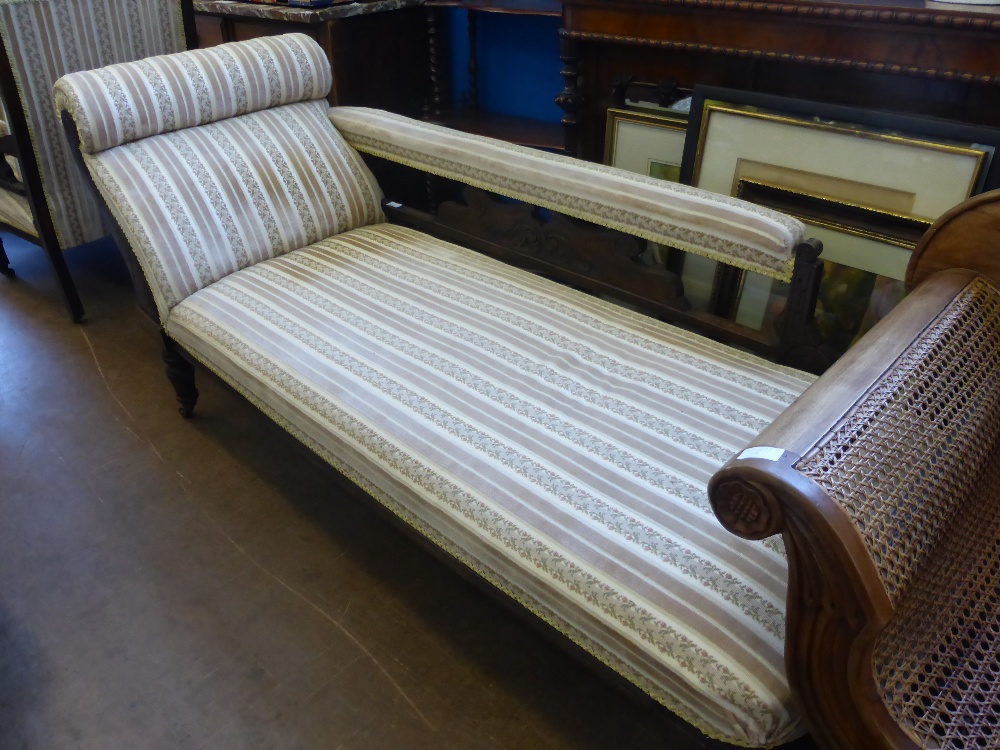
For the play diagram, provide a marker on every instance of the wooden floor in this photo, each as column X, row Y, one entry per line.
column 206, row 584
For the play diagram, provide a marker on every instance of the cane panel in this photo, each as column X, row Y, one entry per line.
column 935, row 418
column 927, row 503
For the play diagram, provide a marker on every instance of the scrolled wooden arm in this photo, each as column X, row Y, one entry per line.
column 964, row 237
column 843, row 591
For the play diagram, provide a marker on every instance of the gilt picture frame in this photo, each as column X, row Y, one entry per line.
column 866, row 183
column 645, row 143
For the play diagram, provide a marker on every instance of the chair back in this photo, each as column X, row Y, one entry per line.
column 43, row 40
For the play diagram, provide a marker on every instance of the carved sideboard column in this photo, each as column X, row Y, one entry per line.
column 434, row 105
column 571, row 99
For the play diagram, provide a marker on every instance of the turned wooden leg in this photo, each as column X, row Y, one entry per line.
column 5, row 268
column 180, row 372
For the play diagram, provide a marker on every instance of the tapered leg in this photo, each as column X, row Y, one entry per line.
column 180, row 372
column 51, row 247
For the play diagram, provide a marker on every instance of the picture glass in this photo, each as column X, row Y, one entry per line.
column 867, row 194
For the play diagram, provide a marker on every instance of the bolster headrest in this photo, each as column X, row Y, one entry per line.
column 123, row 103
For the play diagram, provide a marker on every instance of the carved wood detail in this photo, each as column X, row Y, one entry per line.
column 801, row 343
column 747, row 509
column 865, row 66
column 835, row 610
column 434, row 105
column 832, row 13
column 571, row 99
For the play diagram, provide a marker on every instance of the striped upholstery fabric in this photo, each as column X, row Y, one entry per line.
column 14, row 208
column 12, row 161
column 555, row 443
column 708, row 224
column 123, row 103
column 197, row 203
column 46, row 39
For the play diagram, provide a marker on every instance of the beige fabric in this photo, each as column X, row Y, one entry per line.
column 14, row 210
column 123, row 103
column 200, row 203
column 718, row 227
column 267, row 174
column 12, row 161
column 555, row 443
column 48, row 38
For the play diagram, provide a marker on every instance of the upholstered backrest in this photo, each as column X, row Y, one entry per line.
column 46, row 39
column 213, row 160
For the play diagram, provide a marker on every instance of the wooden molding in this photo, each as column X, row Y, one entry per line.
column 939, row 18
column 865, row 66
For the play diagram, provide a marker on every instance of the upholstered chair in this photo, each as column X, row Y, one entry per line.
column 41, row 196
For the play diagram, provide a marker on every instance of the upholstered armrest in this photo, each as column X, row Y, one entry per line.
column 881, row 478
column 719, row 227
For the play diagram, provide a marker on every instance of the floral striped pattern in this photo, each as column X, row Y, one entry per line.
column 46, row 39
column 198, row 204
column 556, row 444
column 537, row 434
column 123, row 103
column 722, row 228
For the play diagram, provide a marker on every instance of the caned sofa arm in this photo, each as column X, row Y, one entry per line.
column 866, row 477
column 725, row 229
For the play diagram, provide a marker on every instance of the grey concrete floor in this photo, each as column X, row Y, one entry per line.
column 207, row 584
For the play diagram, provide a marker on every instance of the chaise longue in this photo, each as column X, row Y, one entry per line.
column 762, row 551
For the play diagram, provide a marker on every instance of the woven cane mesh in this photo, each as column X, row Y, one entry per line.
column 938, row 661
column 916, row 446
column 917, row 467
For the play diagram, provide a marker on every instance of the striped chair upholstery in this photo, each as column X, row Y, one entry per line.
column 45, row 39
column 556, row 444
column 14, row 208
column 265, row 173
column 12, row 161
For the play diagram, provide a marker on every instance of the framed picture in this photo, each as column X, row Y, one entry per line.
column 866, row 183
column 649, row 144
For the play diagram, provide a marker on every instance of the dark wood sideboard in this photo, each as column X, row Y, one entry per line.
column 471, row 118
column 909, row 56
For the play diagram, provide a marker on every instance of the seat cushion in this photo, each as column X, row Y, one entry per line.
column 555, row 443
